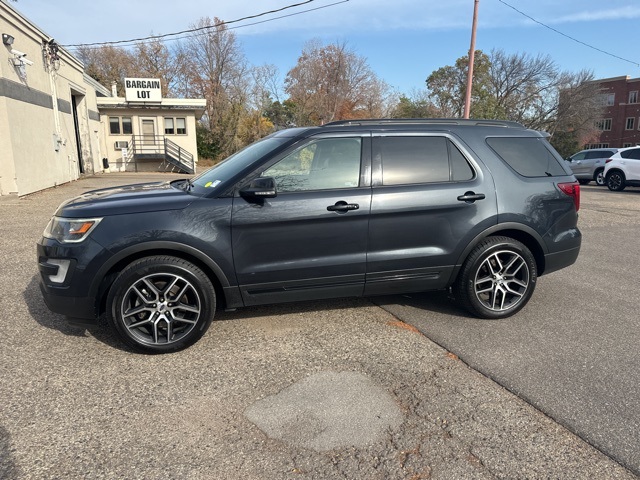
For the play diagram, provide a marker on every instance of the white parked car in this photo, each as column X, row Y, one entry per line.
column 623, row 169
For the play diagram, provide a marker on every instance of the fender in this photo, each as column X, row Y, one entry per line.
column 157, row 245
column 490, row 231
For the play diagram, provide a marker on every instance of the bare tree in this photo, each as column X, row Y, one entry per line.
column 214, row 67
column 108, row 64
column 331, row 83
column 154, row 60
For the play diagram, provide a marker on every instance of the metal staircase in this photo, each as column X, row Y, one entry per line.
column 173, row 157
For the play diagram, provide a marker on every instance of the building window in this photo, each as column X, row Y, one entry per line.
column 607, row 99
column 120, row 126
column 175, row 126
column 127, row 126
column 596, row 145
column 604, row 125
column 625, row 145
column 181, row 126
column 168, row 126
column 114, row 125
column 630, row 123
column 633, row 97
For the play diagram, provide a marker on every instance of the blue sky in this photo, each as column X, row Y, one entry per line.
column 402, row 40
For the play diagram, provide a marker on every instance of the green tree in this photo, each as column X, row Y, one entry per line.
column 528, row 89
column 447, row 87
column 416, row 105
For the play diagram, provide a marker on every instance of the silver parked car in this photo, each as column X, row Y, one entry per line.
column 588, row 165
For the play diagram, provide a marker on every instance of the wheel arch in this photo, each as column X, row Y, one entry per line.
column 522, row 233
column 616, row 170
column 109, row 271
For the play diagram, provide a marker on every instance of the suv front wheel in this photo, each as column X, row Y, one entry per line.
column 616, row 181
column 161, row 304
column 497, row 279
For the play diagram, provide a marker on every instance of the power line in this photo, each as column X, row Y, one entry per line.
column 568, row 36
column 207, row 27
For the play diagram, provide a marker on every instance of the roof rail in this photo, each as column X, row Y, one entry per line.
column 425, row 121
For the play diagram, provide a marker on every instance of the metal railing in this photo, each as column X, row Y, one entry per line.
column 158, row 146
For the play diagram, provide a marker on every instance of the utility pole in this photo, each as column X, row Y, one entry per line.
column 472, row 56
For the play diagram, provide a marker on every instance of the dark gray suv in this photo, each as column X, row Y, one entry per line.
column 347, row 209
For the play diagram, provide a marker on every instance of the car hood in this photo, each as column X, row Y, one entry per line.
column 138, row 198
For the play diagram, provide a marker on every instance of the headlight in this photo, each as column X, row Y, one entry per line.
column 70, row 230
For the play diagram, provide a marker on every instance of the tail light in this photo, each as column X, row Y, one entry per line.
column 608, row 160
column 573, row 190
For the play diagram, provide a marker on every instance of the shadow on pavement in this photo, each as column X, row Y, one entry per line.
column 8, row 467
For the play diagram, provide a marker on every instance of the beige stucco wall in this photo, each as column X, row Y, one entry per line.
column 37, row 132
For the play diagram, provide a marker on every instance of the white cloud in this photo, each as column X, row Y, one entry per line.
column 622, row 13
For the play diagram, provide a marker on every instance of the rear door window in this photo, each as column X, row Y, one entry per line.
column 599, row 154
column 410, row 160
column 529, row 156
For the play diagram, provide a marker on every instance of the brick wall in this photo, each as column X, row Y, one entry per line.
column 620, row 112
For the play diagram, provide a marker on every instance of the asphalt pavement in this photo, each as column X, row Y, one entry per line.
column 573, row 352
column 314, row 390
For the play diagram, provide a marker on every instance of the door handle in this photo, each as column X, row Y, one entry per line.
column 471, row 197
column 343, row 207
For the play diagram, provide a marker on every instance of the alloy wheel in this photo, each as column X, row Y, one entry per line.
column 160, row 309
column 502, row 280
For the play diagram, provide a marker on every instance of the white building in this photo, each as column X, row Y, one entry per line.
column 57, row 124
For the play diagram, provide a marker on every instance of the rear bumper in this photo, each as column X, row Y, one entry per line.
column 558, row 260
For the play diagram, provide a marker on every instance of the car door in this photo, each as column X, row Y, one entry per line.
column 310, row 240
column 579, row 165
column 429, row 201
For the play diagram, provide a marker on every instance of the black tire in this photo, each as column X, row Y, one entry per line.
column 497, row 278
column 583, row 181
column 616, row 181
column 161, row 304
column 598, row 177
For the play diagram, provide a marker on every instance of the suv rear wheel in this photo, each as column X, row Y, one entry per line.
column 497, row 279
column 599, row 177
column 161, row 304
column 616, row 181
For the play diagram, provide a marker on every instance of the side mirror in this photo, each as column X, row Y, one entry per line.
column 261, row 187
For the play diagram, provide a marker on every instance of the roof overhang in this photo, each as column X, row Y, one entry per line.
column 196, row 105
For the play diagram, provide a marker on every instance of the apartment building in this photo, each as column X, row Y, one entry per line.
column 620, row 122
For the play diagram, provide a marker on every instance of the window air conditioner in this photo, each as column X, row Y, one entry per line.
column 122, row 144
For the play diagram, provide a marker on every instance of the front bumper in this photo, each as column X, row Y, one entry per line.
column 67, row 289
column 72, row 307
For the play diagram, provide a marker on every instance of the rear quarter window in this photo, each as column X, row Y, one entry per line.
column 633, row 153
column 529, row 156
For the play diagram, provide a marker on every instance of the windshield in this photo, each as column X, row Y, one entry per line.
column 236, row 163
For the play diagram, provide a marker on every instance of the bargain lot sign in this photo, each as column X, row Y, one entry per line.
column 142, row 90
